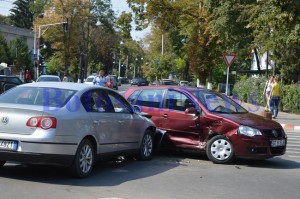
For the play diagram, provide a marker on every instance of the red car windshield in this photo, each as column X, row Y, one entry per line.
column 218, row 103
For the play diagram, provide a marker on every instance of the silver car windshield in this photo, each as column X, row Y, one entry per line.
column 39, row 96
column 218, row 103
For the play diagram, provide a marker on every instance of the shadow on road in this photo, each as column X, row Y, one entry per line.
column 108, row 173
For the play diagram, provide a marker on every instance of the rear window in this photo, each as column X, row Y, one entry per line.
column 39, row 96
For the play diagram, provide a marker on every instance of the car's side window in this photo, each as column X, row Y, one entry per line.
column 119, row 104
column 150, row 98
column 96, row 101
column 178, row 101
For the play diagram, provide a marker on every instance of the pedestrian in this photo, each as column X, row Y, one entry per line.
column 274, row 97
column 267, row 91
column 100, row 79
column 65, row 78
column 27, row 76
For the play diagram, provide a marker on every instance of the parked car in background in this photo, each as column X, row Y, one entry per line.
column 168, row 82
column 48, row 78
column 9, row 81
column 123, row 80
column 134, row 82
column 204, row 120
column 142, row 82
column 53, row 123
column 183, row 83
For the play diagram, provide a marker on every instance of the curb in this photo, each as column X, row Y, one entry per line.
column 290, row 127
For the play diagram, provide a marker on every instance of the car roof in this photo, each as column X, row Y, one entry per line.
column 60, row 85
column 48, row 76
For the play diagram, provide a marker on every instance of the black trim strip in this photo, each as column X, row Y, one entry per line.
column 31, row 142
column 118, row 143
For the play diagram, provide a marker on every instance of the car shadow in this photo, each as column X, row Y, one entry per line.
column 105, row 173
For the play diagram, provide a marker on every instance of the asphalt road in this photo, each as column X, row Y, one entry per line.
column 169, row 175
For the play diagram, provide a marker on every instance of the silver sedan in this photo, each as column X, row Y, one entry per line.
column 69, row 124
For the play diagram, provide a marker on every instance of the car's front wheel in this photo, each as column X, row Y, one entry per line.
column 220, row 150
column 84, row 159
column 146, row 148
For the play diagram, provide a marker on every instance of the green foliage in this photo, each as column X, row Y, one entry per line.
column 291, row 98
column 21, row 16
column 4, row 52
column 250, row 90
column 55, row 65
column 20, row 54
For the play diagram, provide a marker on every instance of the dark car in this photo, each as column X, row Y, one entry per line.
column 204, row 120
column 142, row 82
column 8, row 81
column 134, row 82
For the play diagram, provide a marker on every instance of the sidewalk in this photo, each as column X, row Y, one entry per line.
column 288, row 121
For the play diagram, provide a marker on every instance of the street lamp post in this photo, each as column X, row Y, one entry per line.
column 121, row 43
column 38, row 42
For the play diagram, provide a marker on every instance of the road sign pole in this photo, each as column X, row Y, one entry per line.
column 226, row 91
column 229, row 58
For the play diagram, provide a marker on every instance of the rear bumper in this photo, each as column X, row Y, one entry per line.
column 36, row 158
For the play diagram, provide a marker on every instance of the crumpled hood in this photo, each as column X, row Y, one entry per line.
column 252, row 120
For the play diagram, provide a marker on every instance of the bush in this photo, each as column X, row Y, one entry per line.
column 251, row 91
column 291, row 98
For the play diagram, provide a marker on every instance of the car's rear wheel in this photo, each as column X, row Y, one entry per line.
column 84, row 159
column 2, row 163
column 146, row 148
column 220, row 150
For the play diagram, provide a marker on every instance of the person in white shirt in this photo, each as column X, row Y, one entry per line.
column 100, row 79
column 267, row 91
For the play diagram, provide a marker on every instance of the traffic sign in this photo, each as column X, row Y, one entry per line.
column 229, row 58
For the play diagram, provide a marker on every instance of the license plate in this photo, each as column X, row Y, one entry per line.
column 8, row 145
column 276, row 143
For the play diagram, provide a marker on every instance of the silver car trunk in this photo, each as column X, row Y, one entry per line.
column 13, row 119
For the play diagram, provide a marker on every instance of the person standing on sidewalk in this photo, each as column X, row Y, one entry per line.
column 275, row 95
column 267, row 91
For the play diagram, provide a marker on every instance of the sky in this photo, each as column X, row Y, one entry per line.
column 117, row 5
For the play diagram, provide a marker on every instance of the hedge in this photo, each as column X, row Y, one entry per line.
column 251, row 91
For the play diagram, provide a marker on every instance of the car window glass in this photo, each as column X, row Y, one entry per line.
column 218, row 103
column 97, row 101
column 150, row 98
column 133, row 96
column 119, row 104
column 52, row 97
column 176, row 100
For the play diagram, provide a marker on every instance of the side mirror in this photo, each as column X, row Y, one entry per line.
column 136, row 109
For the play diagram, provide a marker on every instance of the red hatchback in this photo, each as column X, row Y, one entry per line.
column 201, row 119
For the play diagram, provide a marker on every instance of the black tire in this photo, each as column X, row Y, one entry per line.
column 84, row 159
column 2, row 163
column 220, row 150
column 146, row 148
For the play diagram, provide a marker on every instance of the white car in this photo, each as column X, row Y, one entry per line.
column 89, row 79
column 48, row 78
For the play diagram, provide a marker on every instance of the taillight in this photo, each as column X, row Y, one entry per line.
column 42, row 122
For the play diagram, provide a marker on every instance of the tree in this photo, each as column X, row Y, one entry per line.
column 21, row 16
column 20, row 53
column 4, row 51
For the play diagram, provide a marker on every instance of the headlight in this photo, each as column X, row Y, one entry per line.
column 248, row 131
